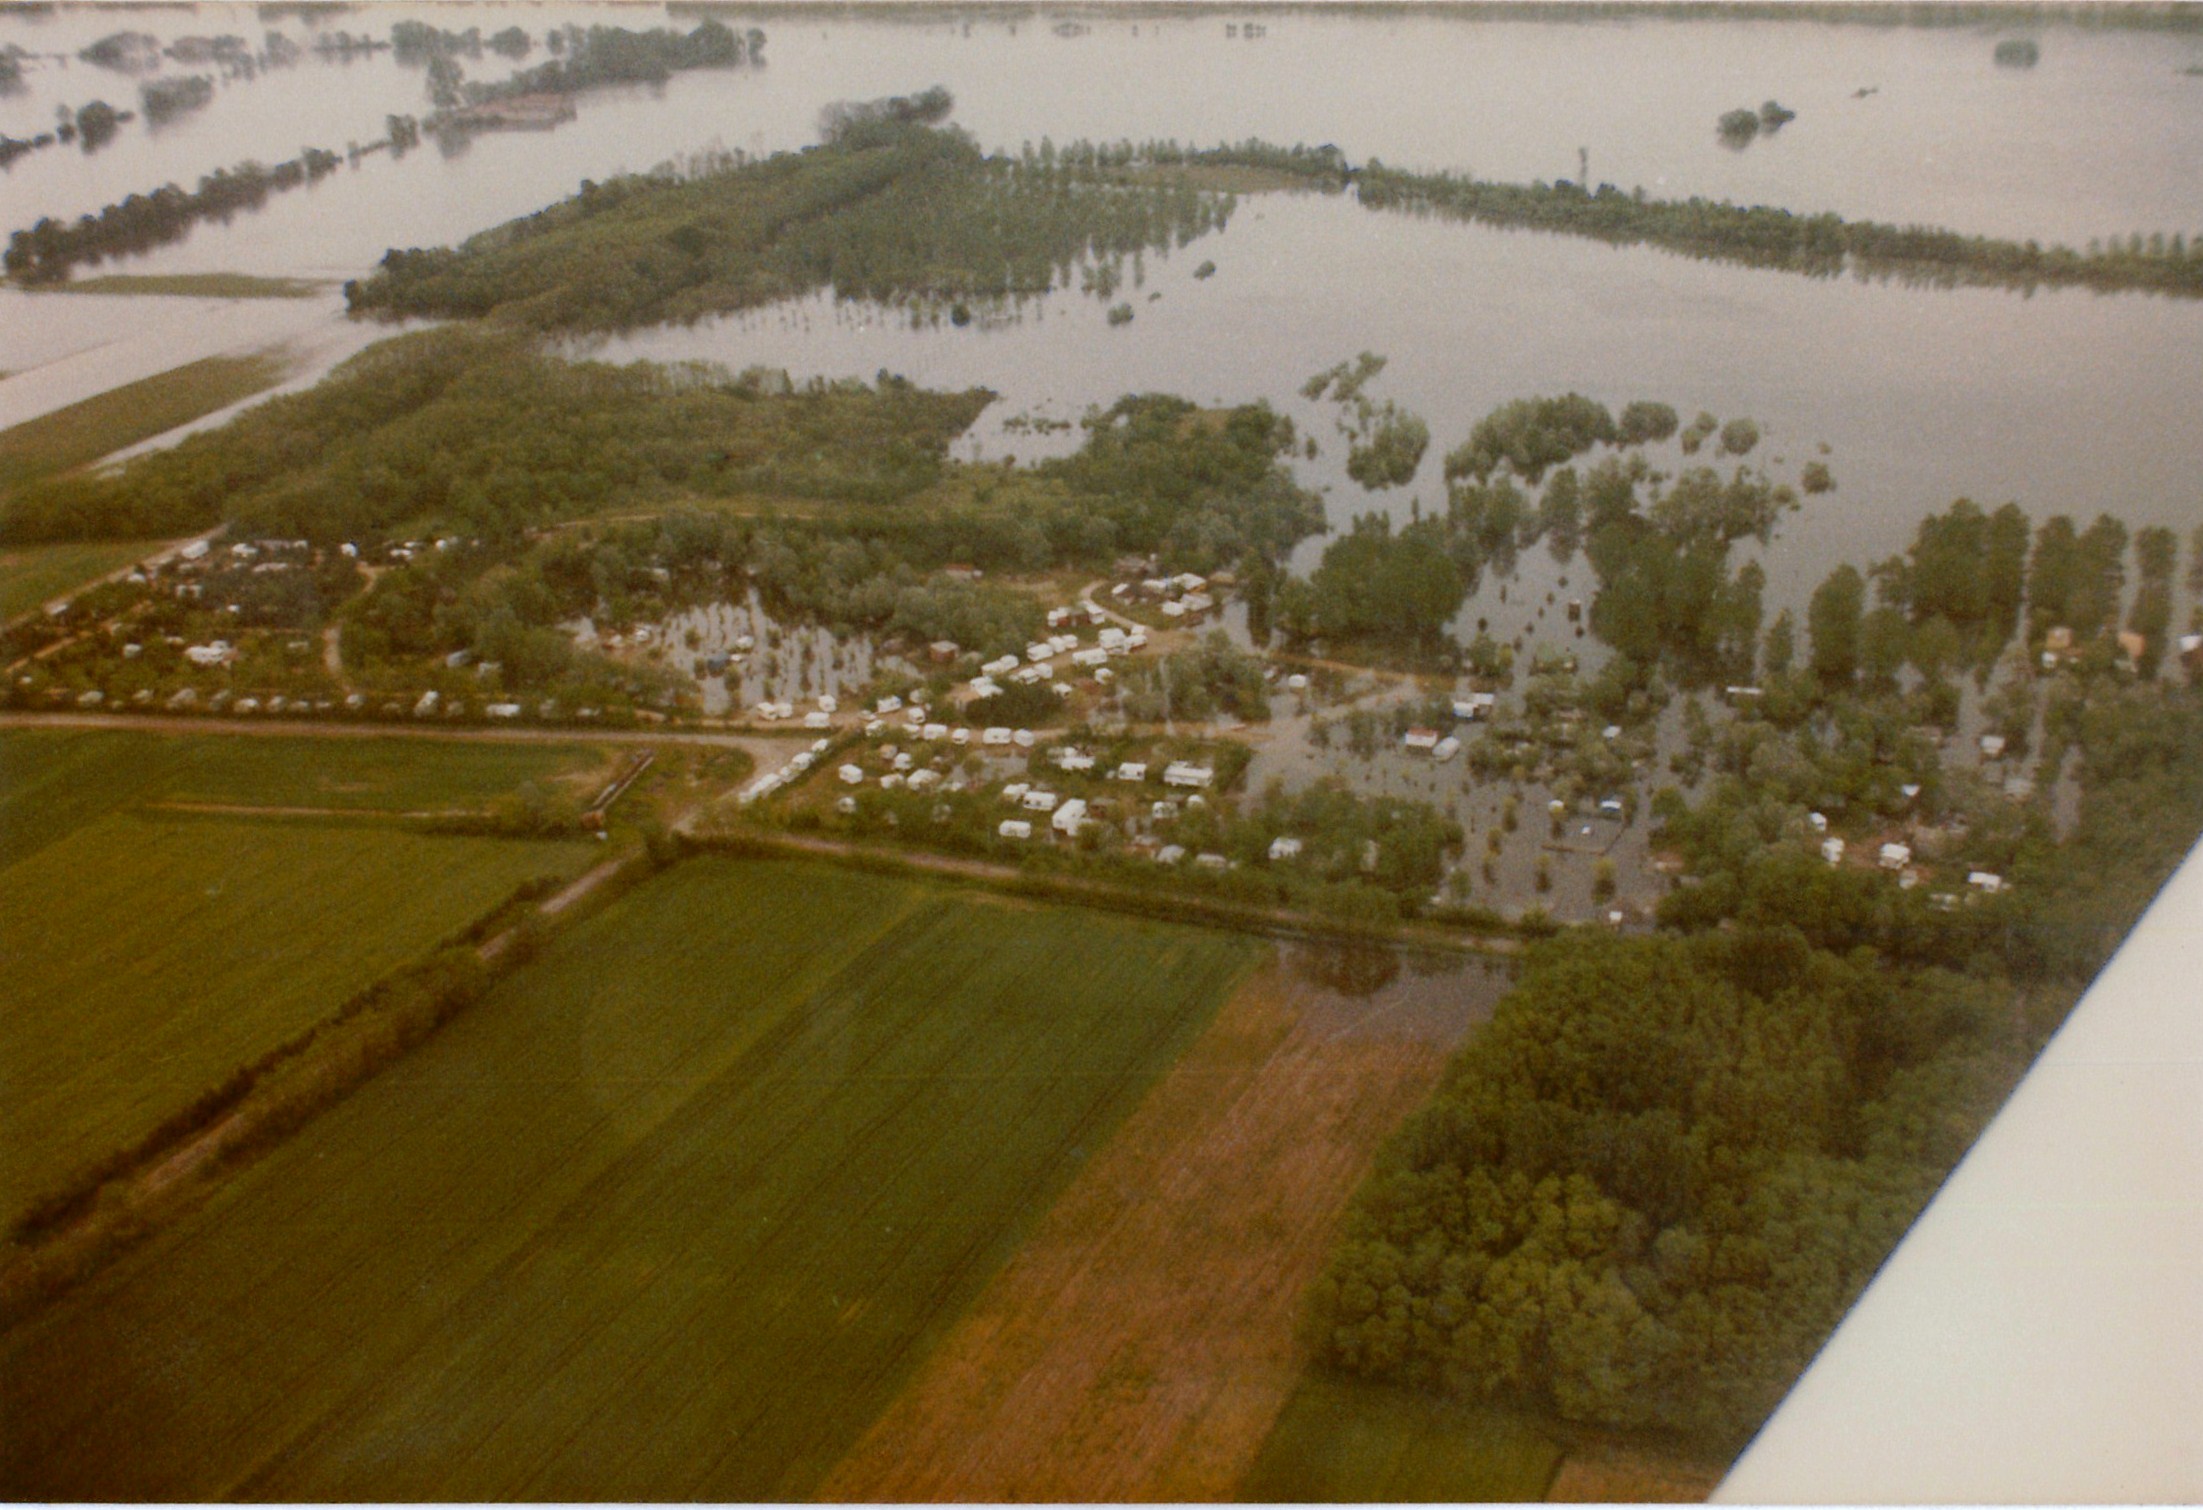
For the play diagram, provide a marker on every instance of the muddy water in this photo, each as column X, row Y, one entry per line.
column 2099, row 138
column 2062, row 401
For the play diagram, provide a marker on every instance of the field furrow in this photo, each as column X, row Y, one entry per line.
column 672, row 1214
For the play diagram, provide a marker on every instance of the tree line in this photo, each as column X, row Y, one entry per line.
column 46, row 251
column 1822, row 245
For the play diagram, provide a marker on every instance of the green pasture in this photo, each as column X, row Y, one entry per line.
column 35, row 575
column 149, row 959
column 53, row 780
column 668, row 1216
column 1347, row 1440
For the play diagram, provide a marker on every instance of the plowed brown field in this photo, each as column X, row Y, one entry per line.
column 1142, row 1342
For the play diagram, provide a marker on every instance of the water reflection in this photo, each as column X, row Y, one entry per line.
column 1351, row 967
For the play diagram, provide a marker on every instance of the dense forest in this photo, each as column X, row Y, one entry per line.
column 482, row 432
column 892, row 209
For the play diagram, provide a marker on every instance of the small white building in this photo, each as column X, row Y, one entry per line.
column 1071, row 817
column 1000, row 666
column 887, row 705
column 1986, row 881
column 1896, row 856
column 1130, row 770
column 1039, row 800
column 1210, row 860
column 817, row 721
column 1297, row 682
column 1992, row 747
column 1284, row 847
column 1445, row 749
column 851, row 775
column 1170, row 854
column 1015, row 791
column 1832, row 850
column 1165, row 811
column 1071, row 758
column 995, row 737
column 1015, row 828
column 934, row 733
column 1420, row 739
column 1185, row 773
column 1819, row 822
column 1022, row 738
column 924, row 781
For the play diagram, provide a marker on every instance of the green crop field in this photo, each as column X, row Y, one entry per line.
column 149, row 959
column 1346, row 1440
column 668, row 1216
column 53, row 781
column 37, row 574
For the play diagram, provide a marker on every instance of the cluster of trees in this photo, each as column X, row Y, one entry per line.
column 1377, row 585
column 1667, row 592
column 898, row 212
column 847, row 121
column 124, row 51
column 1762, row 236
column 1196, row 684
column 1740, row 127
column 604, row 55
column 46, row 251
column 165, row 99
column 1528, row 435
column 1385, row 443
column 1955, row 599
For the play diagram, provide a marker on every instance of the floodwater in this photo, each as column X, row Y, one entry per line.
column 2063, row 401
